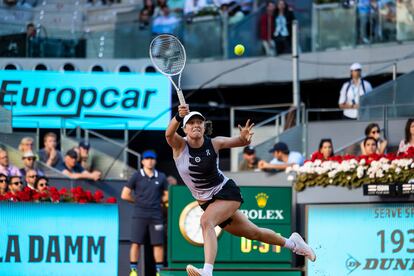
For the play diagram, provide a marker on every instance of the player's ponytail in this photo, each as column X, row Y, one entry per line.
column 208, row 128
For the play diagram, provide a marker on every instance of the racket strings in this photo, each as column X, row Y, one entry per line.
column 168, row 54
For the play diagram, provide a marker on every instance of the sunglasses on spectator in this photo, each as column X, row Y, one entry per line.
column 3, row 180
column 32, row 176
column 17, row 183
column 375, row 131
column 43, row 185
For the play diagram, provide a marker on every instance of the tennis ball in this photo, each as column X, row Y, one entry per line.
column 239, row 49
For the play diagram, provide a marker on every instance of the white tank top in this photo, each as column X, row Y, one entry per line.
column 198, row 167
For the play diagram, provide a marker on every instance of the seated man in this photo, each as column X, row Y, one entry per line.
column 15, row 186
column 49, row 154
column 5, row 167
column 29, row 161
column 72, row 169
column 84, row 158
column 250, row 161
column 283, row 158
column 30, row 178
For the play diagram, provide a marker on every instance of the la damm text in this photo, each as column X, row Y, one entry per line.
column 55, row 249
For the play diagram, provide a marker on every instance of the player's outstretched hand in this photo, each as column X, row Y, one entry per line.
column 246, row 132
column 183, row 110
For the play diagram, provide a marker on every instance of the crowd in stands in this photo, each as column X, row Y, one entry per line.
column 76, row 164
column 372, row 145
column 276, row 28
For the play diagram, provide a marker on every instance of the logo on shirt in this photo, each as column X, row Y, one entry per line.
column 156, row 182
column 197, row 159
column 208, row 152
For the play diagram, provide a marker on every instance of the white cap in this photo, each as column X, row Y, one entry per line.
column 28, row 154
column 355, row 66
column 192, row 114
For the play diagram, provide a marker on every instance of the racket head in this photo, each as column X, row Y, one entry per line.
column 167, row 54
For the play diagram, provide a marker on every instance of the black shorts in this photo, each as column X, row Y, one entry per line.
column 141, row 226
column 230, row 191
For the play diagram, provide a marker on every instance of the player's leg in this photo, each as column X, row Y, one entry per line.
column 241, row 226
column 216, row 212
column 156, row 230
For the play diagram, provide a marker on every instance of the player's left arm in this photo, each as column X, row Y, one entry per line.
column 243, row 139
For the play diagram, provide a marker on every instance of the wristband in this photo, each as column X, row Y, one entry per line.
column 178, row 118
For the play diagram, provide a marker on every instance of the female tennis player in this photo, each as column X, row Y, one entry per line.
column 196, row 158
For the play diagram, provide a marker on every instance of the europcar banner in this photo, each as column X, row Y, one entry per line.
column 92, row 100
column 58, row 239
column 361, row 239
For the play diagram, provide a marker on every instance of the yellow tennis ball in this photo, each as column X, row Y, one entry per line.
column 239, row 49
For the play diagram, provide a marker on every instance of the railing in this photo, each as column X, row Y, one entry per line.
column 322, row 27
column 121, row 149
column 277, row 124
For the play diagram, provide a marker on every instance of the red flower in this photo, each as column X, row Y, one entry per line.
column 111, row 200
column 98, row 196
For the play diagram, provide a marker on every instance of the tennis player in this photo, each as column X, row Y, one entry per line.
column 196, row 158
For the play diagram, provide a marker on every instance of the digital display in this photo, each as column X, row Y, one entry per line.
column 92, row 100
column 365, row 239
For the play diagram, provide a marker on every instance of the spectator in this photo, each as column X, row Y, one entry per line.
column 150, row 188
column 325, row 150
column 246, row 6
column 28, row 4
column 3, row 184
column 30, row 31
column 283, row 27
column 72, row 169
column 5, row 167
column 192, row 7
column 29, row 162
column 370, row 146
column 250, row 161
column 267, row 28
column 283, row 158
column 165, row 23
column 351, row 92
column 26, row 144
column 408, row 141
column 363, row 11
column 144, row 19
column 84, row 158
column 41, row 184
column 49, row 154
column 158, row 9
column 31, row 177
column 149, row 5
column 235, row 13
column 10, row 3
column 373, row 130
column 15, row 184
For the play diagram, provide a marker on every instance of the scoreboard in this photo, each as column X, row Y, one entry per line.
column 268, row 207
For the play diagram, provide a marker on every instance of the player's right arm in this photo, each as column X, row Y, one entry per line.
column 175, row 141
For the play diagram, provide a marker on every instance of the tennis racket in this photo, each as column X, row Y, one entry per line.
column 168, row 56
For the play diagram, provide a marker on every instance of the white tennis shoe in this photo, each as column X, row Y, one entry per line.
column 193, row 271
column 301, row 247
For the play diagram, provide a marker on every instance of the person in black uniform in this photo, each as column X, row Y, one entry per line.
column 196, row 159
column 146, row 189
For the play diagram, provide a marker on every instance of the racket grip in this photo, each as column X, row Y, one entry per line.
column 181, row 97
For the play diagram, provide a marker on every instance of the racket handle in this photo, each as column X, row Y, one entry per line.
column 181, row 97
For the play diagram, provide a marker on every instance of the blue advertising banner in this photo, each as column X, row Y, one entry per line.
column 58, row 239
column 92, row 100
column 366, row 239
